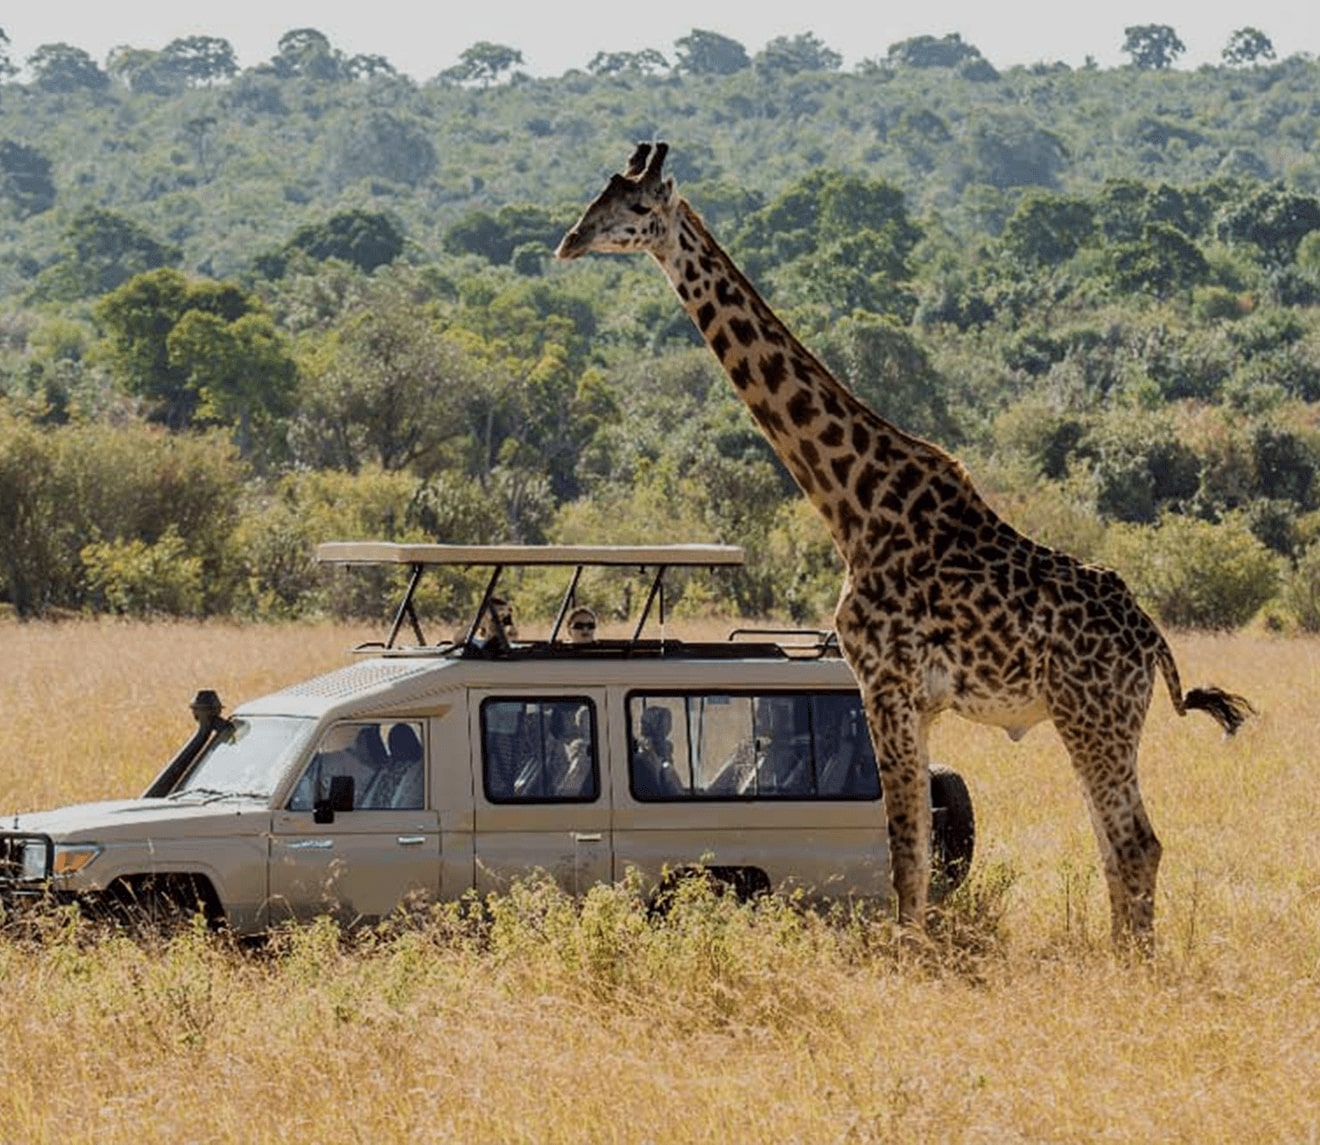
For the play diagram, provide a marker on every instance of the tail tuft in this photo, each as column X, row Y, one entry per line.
column 1230, row 710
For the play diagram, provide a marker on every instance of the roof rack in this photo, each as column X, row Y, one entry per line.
column 419, row 557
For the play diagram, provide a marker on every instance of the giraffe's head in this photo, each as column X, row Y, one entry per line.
column 634, row 213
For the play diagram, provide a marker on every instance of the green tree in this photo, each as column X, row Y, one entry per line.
column 646, row 62
column 484, row 63
column 7, row 69
column 1274, row 220
column 25, row 179
column 885, row 366
column 1152, row 47
column 64, row 68
column 1247, row 46
column 383, row 145
column 103, row 249
column 241, row 371
column 364, row 239
column 306, row 53
column 702, row 53
column 1047, row 229
column 200, row 60
column 387, row 388
column 1164, row 260
column 197, row 353
column 931, row 52
column 790, row 55
column 495, row 237
column 143, row 70
column 1010, row 149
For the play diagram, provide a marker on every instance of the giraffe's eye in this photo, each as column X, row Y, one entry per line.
column 638, row 209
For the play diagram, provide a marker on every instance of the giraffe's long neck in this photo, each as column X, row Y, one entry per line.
column 858, row 470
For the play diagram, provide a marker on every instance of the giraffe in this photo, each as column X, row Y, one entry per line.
column 944, row 606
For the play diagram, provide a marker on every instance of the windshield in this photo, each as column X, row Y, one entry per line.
column 249, row 757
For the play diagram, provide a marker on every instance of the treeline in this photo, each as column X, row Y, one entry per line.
column 1129, row 360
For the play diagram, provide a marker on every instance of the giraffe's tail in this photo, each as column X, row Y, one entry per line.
column 1228, row 708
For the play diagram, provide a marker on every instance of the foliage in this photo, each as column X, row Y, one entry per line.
column 102, row 250
column 364, row 239
column 65, row 488
column 932, row 52
column 703, row 53
column 200, row 353
column 62, row 68
column 134, row 578
column 1193, row 574
column 25, row 179
column 1152, row 46
column 1100, row 286
column 1247, row 46
column 484, row 63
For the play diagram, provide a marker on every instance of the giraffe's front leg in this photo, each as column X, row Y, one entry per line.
column 898, row 735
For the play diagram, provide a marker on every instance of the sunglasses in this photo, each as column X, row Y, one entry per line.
column 583, row 626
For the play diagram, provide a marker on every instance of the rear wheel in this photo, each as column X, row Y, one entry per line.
column 953, row 828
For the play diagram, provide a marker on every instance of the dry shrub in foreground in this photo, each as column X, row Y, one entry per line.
column 544, row 1020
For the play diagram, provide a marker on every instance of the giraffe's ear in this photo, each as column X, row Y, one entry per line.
column 667, row 189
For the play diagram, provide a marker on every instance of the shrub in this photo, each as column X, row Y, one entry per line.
column 1194, row 574
column 1301, row 590
column 134, row 578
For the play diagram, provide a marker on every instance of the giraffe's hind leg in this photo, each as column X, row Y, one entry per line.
column 1129, row 850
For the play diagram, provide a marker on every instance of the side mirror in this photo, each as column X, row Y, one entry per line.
column 340, row 798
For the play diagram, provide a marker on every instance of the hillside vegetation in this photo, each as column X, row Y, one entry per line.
column 243, row 311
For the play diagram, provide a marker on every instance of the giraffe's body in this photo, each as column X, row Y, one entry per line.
column 944, row 605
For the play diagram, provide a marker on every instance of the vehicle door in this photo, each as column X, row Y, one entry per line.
column 777, row 785
column 356, row 836
column 542, row 798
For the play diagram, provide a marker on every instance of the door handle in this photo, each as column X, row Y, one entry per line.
column 587, row 837
column 411, row 840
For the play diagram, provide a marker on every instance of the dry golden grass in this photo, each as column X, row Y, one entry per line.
column 552, row 1022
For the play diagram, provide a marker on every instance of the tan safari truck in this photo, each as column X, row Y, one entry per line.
column 425, row 770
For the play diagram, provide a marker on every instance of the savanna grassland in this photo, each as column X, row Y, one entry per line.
column 543, row 1020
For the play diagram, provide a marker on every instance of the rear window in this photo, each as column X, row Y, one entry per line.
column 774, row 745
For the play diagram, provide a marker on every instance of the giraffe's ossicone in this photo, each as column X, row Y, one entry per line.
column 944, row 605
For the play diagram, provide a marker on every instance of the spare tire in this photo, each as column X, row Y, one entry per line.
column 953, row 827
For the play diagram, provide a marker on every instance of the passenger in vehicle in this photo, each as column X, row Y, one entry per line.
column 497, row 630
column 582, row 626
column 569, row 765
column 783, row 763
column 840, row 762
column 653, row 774
column 347, row 749
column 405, row 778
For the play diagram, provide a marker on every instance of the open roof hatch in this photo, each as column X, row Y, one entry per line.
column 418, row 558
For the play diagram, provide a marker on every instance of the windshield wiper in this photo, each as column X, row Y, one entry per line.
column 210, row 794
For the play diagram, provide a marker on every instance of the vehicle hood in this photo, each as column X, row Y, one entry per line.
column 133, row 818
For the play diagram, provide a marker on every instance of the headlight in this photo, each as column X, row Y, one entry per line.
column 32, row 865
column 70, row 858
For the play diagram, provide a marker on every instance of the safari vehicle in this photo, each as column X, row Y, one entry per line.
column 429, row 769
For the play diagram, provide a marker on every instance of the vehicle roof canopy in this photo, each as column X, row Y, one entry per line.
column 392, row 553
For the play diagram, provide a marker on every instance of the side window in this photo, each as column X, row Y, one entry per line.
column 385, row 760
column 772, row 746
column 845, row 760
column 539, row 750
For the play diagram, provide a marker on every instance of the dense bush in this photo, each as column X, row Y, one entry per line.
column 1192, row 574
